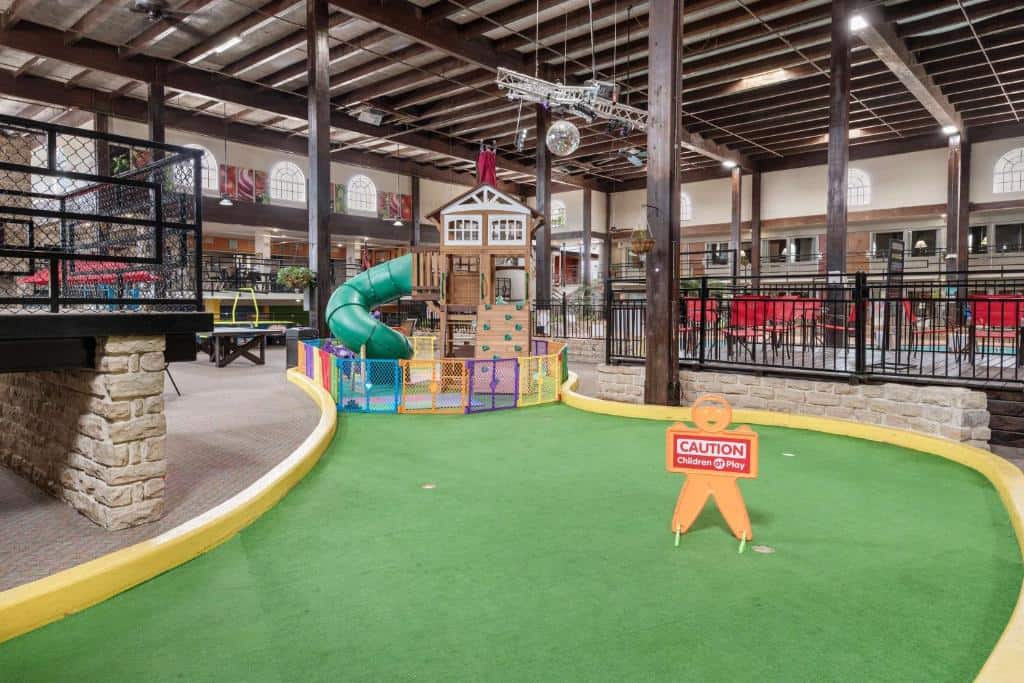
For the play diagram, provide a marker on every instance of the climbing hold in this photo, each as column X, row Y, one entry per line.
column 519, row 307
column 495, row 357
column 487, row 326
column 519, row 328
column 485, row 347
column 487, row 307
column 508, row 337
column 518, row 348
column 508, row 316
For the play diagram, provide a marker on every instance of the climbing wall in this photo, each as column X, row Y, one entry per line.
column 502, row 330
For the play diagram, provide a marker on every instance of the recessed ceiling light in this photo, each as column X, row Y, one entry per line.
column 858, row 22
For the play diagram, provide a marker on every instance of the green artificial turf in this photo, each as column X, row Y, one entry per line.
column 543, row 554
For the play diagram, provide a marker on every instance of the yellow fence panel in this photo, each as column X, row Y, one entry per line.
column 423, row 346
column 539, row 379
column 433, row 386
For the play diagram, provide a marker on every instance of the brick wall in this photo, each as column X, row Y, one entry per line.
column 955, row 413
column 94, row 438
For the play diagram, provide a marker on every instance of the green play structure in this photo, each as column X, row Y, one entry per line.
column 348, row 310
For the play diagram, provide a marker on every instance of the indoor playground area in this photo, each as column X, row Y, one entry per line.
column 574, row 341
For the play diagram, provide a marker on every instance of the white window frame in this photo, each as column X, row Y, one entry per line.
column 373, row 195
column 685, row 207
column 1008, row 173
column 492, row 221
column 859, row 181
column 297, row 195
column 210, row 175
column 558, row 208
column 479, row 218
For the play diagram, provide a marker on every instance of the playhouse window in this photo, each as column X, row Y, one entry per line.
column 507, row 230
column 462, row 229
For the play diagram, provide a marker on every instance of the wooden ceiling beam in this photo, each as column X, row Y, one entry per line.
column 191, row 121
column 404, row 18
column 17, row 11
column 880, row 36
column 294, row 41
column 91, row 20
column 338, row 52
column 250, row 22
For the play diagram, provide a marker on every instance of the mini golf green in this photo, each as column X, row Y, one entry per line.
column 543, row 553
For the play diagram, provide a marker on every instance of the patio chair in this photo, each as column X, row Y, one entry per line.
column 690, row 327
column 995, row 320
column 748, row 325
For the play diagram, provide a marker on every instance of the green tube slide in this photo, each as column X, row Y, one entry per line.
column 348, row 310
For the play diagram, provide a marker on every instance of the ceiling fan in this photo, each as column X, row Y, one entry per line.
column 158, row 10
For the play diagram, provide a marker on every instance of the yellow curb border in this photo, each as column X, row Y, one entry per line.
column 1006, row 661
column 35, row 604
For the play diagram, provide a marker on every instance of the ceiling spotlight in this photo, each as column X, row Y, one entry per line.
column 521, row 140
column 858, row 22
column 729, row 163
column 950, row 130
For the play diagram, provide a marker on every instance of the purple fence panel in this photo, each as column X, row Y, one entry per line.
column 493, row 384
column 539, row 347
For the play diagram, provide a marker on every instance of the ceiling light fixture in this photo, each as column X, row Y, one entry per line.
column 950, row 130
column 858, row 22
column 729, row 163
column 228, row 44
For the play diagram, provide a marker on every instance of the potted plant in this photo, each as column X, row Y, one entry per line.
column 298, row 278
column 640, row 241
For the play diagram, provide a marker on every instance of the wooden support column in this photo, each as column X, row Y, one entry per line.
column 735, row 233
column 606, row 255
column 155, row 113
column 958, row 203
column 542, row 238
column 101, row 124
column 319, row 199
column 838, row 139
column 414, row 234
column 755, row 227
column 587, row 227
column 663, row 134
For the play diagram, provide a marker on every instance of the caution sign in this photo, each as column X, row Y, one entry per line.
column 713, row 458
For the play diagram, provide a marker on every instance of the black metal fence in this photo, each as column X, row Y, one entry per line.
column 567, row 318
column 942, row 328
column 95, row 222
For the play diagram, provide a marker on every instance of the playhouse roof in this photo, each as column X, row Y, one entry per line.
column 484, row 197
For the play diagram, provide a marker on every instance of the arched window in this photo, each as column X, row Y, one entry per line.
column 211, row 175
column 287, row 182
column 558, row 215
column 858, row 188
column 685, row 207
column 362, row 194
column 1009, row 172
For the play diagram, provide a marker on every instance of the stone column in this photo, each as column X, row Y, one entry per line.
column 93, row 438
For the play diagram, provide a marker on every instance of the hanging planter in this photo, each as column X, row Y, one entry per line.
column 641, row 242
column 298, row 278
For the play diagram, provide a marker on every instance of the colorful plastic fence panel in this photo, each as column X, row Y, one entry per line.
column 493, row 384
column 539, row 379
column 433, row 386
column 368, row 386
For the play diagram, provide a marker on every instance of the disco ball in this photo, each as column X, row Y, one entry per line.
column 563, row 138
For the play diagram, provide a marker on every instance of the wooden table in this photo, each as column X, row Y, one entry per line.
column 225, row 344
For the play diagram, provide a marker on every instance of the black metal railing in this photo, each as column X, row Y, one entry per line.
column 95, row 222
column 944, row 329
column 568, row 318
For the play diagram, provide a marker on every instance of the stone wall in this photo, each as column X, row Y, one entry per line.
column 955, row 413
column 94, row 438
column 583, row 350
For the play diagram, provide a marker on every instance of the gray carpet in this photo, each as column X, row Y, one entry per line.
column 230, row 426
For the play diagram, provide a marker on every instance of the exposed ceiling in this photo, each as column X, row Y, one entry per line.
column 755, row 75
